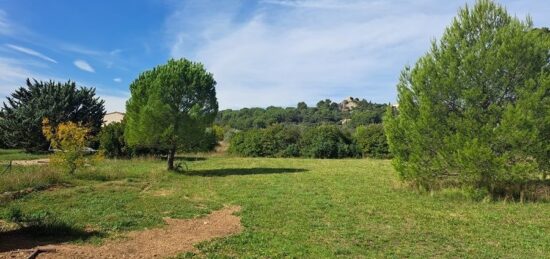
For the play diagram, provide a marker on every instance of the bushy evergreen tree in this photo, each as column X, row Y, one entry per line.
column 170, row 107
column 475, row 109
column 21, row 116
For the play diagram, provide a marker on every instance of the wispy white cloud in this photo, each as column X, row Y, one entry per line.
column 31, row 52
column 80, row 49
column 308, row 50
column 327, row 4
column 286, row 51
column 83, row 65
column 5, row 27
column 117, row 80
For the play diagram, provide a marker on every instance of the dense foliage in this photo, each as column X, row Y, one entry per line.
column 111, row 140
column 475, row 110
column 372, row 141
column 113, row 145
column 325, row 112
column 323, row 141
column 69, row 140
column 274, row 141
column 21, row 117
column 170, row 107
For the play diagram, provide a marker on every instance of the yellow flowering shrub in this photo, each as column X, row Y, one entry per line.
column 69, row 140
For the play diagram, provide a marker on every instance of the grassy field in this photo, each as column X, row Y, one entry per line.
column 297, row 208
column 18, row 154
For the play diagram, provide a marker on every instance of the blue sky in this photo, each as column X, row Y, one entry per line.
column 263, row 52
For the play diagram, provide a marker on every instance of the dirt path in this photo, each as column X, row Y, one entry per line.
column 41, row 161
column 178, row 236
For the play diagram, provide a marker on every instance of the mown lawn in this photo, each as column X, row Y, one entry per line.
column 18, row 154
column 298, row 208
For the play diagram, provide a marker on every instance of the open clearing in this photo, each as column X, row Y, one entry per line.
column 289, row 208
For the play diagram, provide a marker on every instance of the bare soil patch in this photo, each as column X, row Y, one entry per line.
column 179, row 235
column 41, row 161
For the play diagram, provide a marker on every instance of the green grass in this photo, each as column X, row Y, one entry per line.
column 18, row 154
column 298, row 208
column 21, row 177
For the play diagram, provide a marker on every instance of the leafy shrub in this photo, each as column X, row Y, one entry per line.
column 247, row 143
column 204, row 142
column 219, row 132
column 326, row 141
column 111, row 140
column 70, row 141
column 274, row 141
column 371, row 141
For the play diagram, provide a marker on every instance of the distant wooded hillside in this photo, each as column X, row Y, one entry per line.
column 351, row 112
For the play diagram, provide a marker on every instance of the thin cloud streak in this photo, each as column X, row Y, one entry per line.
column 31, row 52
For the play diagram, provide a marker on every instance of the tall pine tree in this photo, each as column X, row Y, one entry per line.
column 475, row 109
column 170, row 107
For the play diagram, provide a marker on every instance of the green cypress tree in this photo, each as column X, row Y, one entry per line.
column 22, row 114
column 475, row 109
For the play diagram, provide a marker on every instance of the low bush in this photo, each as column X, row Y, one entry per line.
column 205, row 142
column 327, row 141
column 274, row 141
column 111, row 139
column 372, row 141
column 70, row 141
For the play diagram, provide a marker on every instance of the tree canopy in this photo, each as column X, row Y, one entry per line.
column 170, row 107
column 325, row 112
column 21, row 116
column 476, row 108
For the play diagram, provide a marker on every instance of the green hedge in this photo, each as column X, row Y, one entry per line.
column 324, row 141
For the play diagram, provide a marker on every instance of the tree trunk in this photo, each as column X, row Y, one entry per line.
column 171, row 156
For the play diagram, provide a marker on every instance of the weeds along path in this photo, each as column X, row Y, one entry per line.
column 179, row 235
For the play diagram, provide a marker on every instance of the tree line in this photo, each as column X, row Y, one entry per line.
column 321, row 141
column 325, row 112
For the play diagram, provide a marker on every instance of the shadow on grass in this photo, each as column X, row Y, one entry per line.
column 185, row 158
column 243, row 171
column 40, row 235
column 189, row 158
